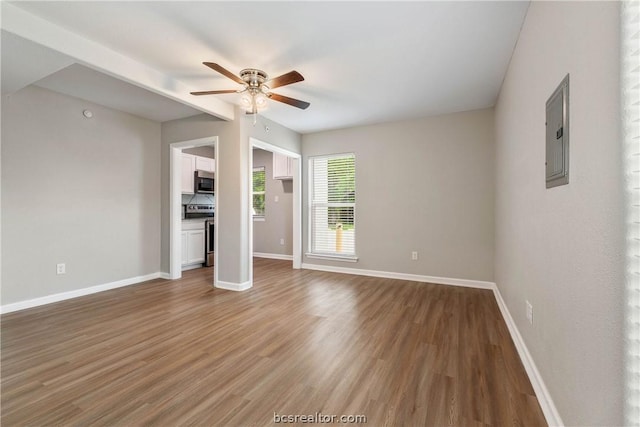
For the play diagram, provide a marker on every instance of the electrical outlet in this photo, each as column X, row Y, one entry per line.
column 529, row 312
column 282, row 242
column 276, row 199
column 414, row 256
column 61, row 268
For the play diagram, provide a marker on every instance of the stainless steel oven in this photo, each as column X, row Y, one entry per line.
column 209, row 230
column 206, row 213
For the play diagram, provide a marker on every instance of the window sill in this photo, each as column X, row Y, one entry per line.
column 259, row 218
column 343, row 258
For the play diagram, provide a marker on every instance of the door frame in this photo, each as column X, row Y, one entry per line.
column 297, row 201
column 175, row 202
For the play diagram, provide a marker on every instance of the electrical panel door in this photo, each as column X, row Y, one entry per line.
column 557, row 136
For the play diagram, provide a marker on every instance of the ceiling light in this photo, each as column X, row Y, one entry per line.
column 246, row 101
column 261, row 100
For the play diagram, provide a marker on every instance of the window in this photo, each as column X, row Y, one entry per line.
column 332, row 205
column 258, row 192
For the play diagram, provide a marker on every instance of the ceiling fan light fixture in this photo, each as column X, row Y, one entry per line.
column 253, row 100
column 246, row 101
column 261, row 100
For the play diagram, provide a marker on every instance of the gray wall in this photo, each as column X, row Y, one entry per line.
column 422, row 185
column 271, row 132
column 205, row 151
column 234, row 184
column 202, row 126
column 562, row 248
column 278, row 220
column 85, row 192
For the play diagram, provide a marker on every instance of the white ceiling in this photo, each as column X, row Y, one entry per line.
column 85, row 83
column 363, row 62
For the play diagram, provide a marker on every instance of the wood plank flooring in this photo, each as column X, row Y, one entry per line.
column 299, row 342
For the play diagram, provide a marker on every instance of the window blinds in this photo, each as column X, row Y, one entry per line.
column 332, row 210
column 630, row 83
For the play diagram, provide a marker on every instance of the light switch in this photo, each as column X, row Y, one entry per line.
column 557, row 136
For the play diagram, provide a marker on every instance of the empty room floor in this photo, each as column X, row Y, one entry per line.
column 299, row 342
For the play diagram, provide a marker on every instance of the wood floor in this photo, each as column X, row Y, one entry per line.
column 299, row 342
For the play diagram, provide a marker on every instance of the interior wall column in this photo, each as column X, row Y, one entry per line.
column 232, row 204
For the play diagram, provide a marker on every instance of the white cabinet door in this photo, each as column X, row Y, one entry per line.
column 205, row 164
column 188, row 167
column 185, row 246
column 195, row 246
column 282, row 166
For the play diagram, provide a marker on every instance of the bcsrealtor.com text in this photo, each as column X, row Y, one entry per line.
column 318, row 418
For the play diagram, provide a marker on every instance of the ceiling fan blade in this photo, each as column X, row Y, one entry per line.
column 291, row 101
column 224, row 72
column 214, row 92
column 285, row 79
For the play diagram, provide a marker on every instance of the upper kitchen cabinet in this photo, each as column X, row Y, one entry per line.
column 282, row 167
column 188, row 167
column 191, row 163
column 205, row 164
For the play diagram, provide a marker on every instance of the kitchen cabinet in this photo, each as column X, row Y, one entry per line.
column 205, row 164
column 193, row 250
column 188, row 167
column 190, row 163
column 185, row 248
column 282, row 167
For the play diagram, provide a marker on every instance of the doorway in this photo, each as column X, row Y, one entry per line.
column 175, row 202
column 296, row 206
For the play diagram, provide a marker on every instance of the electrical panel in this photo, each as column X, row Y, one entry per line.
column 557, row 136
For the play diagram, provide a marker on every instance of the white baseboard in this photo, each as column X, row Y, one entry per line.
column 273, row 256
column 402, row 276
column 191, row 267
column 22, row 305
column 231, row 286
column 544, row 398
column 164, row 275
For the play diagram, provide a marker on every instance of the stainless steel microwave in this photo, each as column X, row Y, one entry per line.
column 203, row 182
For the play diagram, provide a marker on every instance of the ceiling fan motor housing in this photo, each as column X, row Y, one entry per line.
column 253, row 77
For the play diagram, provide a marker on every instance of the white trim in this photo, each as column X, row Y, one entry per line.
column 175, row 203
column 273, row 256
column 230, row 286
column 332, row 257
column 544, row 397
column 191, row 267
column 164, row 275
column 22, row 305
column 402, row 276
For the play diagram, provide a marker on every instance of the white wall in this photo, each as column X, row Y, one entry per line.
column 562, row 248
column 85, row 192
column 278, row 220
column 422, row 185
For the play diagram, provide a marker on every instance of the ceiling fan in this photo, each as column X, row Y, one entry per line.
column 257, row 88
